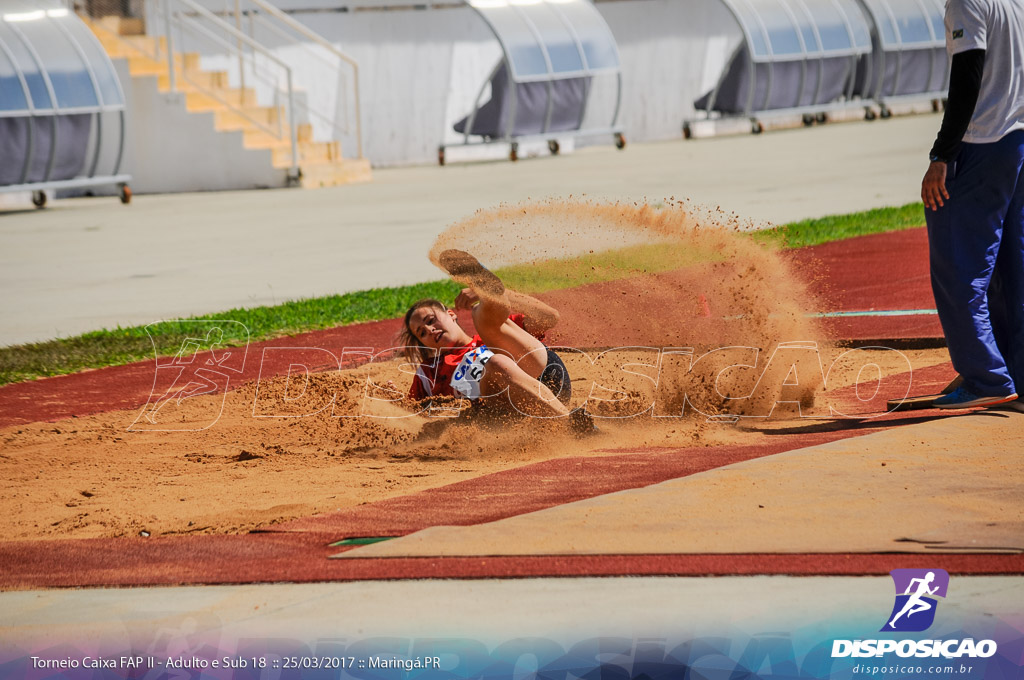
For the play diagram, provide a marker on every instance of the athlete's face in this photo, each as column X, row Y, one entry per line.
column 435, row 328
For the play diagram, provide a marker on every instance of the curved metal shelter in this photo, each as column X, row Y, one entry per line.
column 62, row 109
column 909, row 57
column 554, row 53
column 796, row 56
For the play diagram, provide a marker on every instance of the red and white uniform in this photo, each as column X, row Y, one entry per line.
column 456, row 372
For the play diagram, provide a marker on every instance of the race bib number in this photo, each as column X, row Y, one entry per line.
column 466, row 379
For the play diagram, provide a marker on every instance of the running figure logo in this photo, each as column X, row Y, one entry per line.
column 914, row 609
column 203, row 365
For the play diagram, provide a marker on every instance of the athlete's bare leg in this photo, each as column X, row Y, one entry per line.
column 519, row 358
column 526, row 394
column 490, row 316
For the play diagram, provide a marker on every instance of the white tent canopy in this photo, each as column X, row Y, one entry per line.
column 809, row 56
column 61, row 104
column 909, row 58
column 796, row 55
column 554, row 53
column 550, row 39
column 784, row 30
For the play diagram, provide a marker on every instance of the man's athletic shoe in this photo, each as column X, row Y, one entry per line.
column 1017, row 404
column 465, row 269
column 961, row 398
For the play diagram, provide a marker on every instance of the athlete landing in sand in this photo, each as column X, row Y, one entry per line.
column 506, row 355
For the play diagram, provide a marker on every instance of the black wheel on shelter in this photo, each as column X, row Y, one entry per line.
column 885, row 113
column 808, row 120
column 39, row 199
column 440, row 155
column 126, row 194
column 620, row 141
column 757, row 127
column 821, row 118
column 687, row 132
column 869, row 114
column 513, row 152
column 553, row 147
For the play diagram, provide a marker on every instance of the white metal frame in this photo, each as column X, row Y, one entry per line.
column 270, row 17
column 550, row 76
column 761, row 54
column 931, row 14
column 13, row 14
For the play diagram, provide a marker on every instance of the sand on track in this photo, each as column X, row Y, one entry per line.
column 94, row 477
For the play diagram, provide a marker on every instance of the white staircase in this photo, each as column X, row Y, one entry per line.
column 301, row 159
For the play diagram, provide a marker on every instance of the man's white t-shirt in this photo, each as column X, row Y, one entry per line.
column 996, row 26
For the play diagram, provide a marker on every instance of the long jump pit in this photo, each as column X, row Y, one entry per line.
column 749, row 505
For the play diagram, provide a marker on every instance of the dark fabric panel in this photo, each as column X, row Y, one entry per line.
column 72, row 146
column 922, row 70
column 791, row 86
column 495, row 115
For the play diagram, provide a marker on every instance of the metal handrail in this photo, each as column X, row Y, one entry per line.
column 217, row 39
column 255, row 47
column 308, row 108
column 313, row 37
column 165, row 53
column 200, row 22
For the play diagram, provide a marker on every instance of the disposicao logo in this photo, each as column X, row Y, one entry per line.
column 913, row 612
column 914, row 609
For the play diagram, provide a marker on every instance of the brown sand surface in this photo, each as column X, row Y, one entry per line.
column 108, row 475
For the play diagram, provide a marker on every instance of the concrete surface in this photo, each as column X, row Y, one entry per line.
column 157, row 620
column 85, row 264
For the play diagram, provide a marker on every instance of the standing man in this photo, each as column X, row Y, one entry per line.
column 973, row 193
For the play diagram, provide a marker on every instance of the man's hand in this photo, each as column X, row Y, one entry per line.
column 466, row 299
column 933, row 186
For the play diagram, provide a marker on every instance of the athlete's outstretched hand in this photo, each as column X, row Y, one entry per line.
column 933, row 186
column 466, row 299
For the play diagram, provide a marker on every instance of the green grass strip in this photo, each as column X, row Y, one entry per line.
column 125, row 345
column 363, row 540
column 820, row 230
column 118, row 346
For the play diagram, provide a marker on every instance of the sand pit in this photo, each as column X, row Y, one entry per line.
column 92, row 477
column 287, row 448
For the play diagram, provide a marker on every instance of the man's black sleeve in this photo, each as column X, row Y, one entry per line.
column 964, row 84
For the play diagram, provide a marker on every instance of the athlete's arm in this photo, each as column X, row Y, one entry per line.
column 466, row 298
column 538, row 317
column 965, row 74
